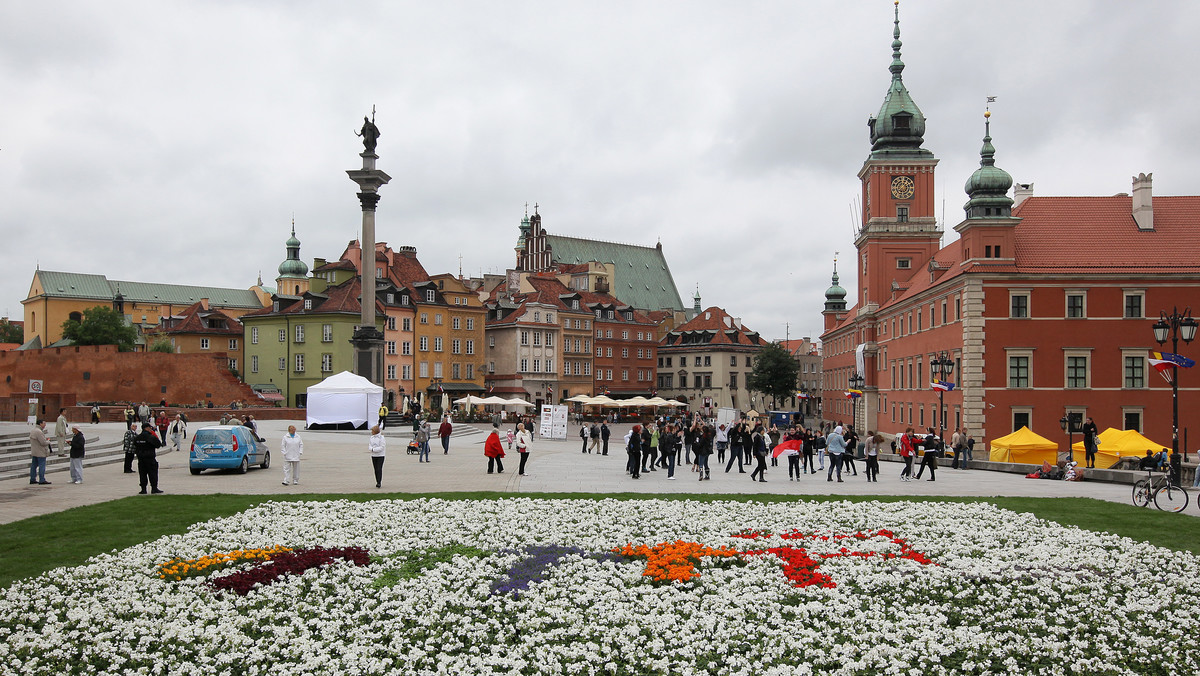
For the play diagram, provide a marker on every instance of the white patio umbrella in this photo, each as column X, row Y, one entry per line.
column 602, row 400
column 580, row 398
column 494, row 400
column 634, row 401
column 517, row 401
column 657, row 401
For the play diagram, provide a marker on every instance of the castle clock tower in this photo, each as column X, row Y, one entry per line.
column 899, row 232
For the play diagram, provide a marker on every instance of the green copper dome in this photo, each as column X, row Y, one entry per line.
column 988, row 186
column 899, row 128
column 524, row 232
column 835, row 296
column 293, row 266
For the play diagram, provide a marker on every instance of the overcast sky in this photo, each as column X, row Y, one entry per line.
column 173, row 142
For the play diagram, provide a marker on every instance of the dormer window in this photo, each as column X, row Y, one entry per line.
column 902, row 122
column 404, row 299
column 430, row 296
column 391, row 298
column 307, row 303
column 575, row 304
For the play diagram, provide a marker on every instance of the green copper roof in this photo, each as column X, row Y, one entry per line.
column 292, row 266
column 899, row 128
column 835, row 296
column 988, row 186
column 100, row 288
column 641, row 275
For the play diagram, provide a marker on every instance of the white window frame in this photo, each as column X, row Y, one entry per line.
column 1009, row 353
column 203, row 343
column 1067, row 303
column 254, row 335
column 1026, row 293
column 1077, row 352
column 299, row 363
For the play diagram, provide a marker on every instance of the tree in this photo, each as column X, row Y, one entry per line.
column 101, row 325
column 11, row 333
column 774, row 373
column 163, row 345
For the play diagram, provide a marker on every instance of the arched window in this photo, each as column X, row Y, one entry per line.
column 75, row 317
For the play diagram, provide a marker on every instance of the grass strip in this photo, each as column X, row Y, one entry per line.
column 68, row 538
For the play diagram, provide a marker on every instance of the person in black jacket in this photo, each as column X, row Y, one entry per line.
column 635, row 452
column 735, row 449
column 76, row 455
column 759, row 446
column 144, row 446
column 1089, row 441
column 932, row 451
column 703, row 448
column 604, row 434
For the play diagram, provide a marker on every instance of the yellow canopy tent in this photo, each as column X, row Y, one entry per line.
column 1114, row 444
column 1024, row 446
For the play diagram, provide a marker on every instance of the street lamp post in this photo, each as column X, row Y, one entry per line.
column 1070, row 424
column 856, row 382
column 1175, row 326
column 940, row 366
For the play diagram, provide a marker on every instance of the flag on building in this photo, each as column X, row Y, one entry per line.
column 942, row 385
column 440, row 390
column 853, row 394
column 801, row 395
column 1164, row 362
column 490, row 388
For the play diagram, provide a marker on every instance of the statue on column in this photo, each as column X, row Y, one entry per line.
column 369, row 134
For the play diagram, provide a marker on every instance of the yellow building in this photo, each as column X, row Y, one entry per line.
column 56, row 297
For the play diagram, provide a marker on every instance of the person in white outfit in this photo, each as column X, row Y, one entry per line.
column 524, row 445
column 292, row 447
column 178, row 432
column 378, row 449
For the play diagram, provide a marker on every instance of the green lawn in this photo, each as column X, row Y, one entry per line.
column 68, row 538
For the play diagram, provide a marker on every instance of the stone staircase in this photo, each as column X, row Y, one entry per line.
column 14, row 455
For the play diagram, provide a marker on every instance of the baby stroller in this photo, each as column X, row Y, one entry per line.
column 414, row 448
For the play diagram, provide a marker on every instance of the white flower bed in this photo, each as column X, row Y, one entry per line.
column 1008, row 594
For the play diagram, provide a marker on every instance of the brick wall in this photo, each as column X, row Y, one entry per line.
column 101, row 373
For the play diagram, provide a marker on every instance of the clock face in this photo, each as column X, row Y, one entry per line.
column 902, row 187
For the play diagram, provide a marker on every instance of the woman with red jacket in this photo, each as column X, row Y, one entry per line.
column 907, row 451
column 494, row 450
column 444, row 431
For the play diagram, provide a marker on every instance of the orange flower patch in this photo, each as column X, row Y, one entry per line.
column 673, row 561
column 178, row 569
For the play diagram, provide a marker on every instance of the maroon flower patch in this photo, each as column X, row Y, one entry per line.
column 294, row 562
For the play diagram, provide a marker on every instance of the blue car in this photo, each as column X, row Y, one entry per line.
column 227, row 447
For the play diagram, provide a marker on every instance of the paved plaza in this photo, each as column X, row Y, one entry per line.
column 338, row 462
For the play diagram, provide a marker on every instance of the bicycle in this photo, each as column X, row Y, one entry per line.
column 1167, row 496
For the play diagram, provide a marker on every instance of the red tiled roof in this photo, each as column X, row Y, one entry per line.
column 1098, row 234
column 336, row 265
column 341, row 298
column 713, row 319
column 194, row 319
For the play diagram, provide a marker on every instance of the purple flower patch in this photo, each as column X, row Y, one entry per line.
column 538, row 560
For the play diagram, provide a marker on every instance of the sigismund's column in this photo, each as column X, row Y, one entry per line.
column 367, row 339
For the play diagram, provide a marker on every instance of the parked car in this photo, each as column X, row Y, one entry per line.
column 227, row 447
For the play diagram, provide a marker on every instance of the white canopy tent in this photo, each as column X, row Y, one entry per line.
column 343, row 398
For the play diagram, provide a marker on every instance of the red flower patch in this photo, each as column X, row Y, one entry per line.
column 801, row 568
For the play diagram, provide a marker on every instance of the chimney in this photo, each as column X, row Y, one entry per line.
column 738, row 322
column 728, row 321
column 1143, row 202
column 1021, row 192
